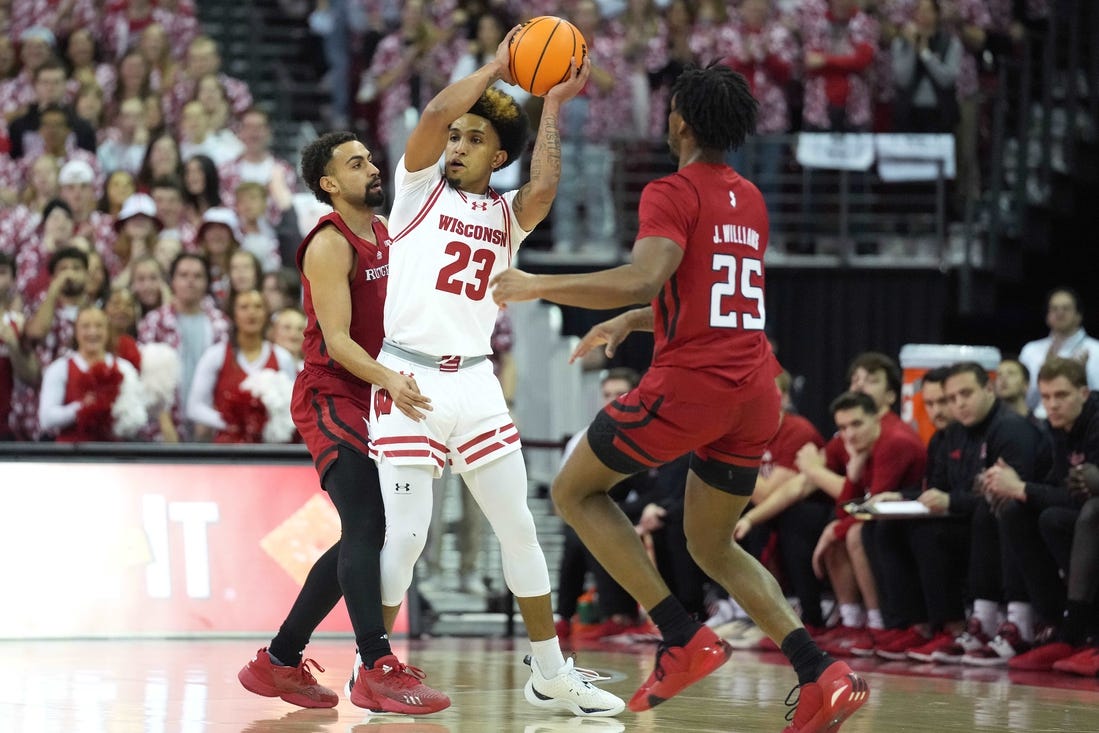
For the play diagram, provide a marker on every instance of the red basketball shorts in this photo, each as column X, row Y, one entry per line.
column 676, row 411
column 330, row 411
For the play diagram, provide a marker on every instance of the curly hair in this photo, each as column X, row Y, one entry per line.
column 315, row 158
column 507, row 118
column 717, row 104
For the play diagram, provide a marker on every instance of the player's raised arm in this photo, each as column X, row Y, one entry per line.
column 428, row 139
column 534, row 199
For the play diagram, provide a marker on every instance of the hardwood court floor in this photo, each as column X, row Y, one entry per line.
column 190, row 686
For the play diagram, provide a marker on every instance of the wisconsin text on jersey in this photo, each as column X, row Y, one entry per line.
column 736, row 234
column 471, row 231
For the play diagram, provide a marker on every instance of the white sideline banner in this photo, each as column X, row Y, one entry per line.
column 835, row 151
column 914, row 157
column 899, row 156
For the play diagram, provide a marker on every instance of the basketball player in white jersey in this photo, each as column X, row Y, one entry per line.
column 451, row 234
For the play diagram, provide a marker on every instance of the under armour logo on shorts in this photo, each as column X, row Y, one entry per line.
column 399, row 488
column 480, row 205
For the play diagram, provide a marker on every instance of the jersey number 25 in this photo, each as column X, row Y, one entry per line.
column 749, row 267
column 453, row 278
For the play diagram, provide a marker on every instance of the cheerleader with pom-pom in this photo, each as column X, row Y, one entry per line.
column 90, row 394
column 241, row 389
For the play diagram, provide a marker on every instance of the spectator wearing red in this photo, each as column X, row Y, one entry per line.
column 36, row 47
column 49, row 330
column 55, row 231
column 16, row 360
column 52, row 17
column 54, row 133
column 258, row 165
column 839, row 42
column 90, row 394
column 202, row 59
column 222, row 403
column 78, row 187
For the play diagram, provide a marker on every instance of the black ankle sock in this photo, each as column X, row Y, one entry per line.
column 285, row 656
column 676, row 625
column 808, row 660
column 376, row 647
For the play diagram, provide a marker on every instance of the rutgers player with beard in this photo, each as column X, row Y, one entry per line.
column 710, row 391
column 344, row 263
column 452, row 232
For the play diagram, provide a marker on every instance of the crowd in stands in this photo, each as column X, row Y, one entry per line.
column 146, row 231
column 814, row 65
column 976, row 547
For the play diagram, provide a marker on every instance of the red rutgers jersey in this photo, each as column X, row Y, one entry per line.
column 368, row 286
column 710, row 314
column 793, row 433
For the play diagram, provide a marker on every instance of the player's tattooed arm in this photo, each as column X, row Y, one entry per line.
column 533, row 201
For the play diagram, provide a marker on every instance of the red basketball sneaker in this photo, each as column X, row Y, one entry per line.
column 678, row 667
column 392, row 687
column 295, row 685
column 822, row 706
column 1084, row 663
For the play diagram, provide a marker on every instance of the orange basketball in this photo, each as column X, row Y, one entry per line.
column 542, row 53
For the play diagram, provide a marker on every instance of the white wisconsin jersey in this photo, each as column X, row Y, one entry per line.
column 447, row 246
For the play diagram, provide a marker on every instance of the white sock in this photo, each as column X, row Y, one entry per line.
column 988, row 613
column 549, row 656
column 851, row 615
column 1022, row 615
column 874, row 619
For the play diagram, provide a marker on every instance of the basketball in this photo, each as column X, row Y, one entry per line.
column 542, row 52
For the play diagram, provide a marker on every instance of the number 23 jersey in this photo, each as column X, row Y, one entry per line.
column 709, row 316
column 447, row 246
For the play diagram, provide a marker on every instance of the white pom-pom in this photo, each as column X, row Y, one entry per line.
column 274, row 389
column 128, row 411
column 160, row 370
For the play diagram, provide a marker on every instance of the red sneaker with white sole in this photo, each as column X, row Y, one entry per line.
column 678, row 667
column 295, row 685
column 897, row 647
column 823, row 705
column 393, row 687
column 940, row 642
column 970, row 640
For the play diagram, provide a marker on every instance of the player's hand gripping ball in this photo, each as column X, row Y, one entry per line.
column 542, row 51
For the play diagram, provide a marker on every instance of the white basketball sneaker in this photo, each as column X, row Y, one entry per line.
column 570, row 690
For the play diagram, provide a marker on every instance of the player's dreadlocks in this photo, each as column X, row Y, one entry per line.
column 315, row 158
column 507, row 118
column 717, row 104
